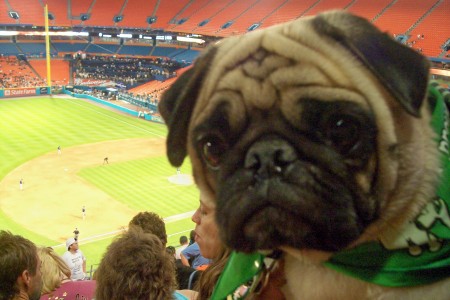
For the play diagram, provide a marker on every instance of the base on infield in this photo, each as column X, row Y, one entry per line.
column 181, row 179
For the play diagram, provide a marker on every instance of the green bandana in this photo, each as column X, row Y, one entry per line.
column 425, row 259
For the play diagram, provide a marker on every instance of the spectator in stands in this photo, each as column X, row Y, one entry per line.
column 210, row 246
column 152, row 223
column 20, row 268
column 75, row 260
column 192, row 257
column 183, row 244
column 56, row 279
column 147, row 274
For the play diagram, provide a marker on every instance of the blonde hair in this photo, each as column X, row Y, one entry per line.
column 53, row 269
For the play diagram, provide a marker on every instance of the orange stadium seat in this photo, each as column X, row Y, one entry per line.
column 288, row 11
column 135, row 13
column 368, row 9
column 255, row 14
column 59, row 70
column 435, row 32
column 402, row 15
column 326, row 5
column 205, row 10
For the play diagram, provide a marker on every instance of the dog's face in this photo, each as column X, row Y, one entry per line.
column 300, row 133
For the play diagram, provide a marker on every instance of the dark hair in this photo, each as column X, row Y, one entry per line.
column 136, row 266
column 192, row 237
column 183, row 239
column 17, row 254
column 151, row 222
column 171, row 250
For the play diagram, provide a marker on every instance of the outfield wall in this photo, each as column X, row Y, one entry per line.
column 24, row 92
column 115, row 106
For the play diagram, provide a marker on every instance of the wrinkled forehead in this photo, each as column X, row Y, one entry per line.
column 265, row 66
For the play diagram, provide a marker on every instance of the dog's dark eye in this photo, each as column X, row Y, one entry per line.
column 342, row 131
column 212, row 148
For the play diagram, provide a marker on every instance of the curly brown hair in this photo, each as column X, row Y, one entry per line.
column 136, row 266
column 151, row 222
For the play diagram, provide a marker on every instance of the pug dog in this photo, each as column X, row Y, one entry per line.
column 312, row 138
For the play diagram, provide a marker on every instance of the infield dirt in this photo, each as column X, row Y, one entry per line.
column 53, row 195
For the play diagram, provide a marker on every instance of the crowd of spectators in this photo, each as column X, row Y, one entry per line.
column 129, row 71
column 15, row 73
column 138, row 264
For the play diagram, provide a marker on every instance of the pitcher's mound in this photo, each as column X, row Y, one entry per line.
column 181, row 179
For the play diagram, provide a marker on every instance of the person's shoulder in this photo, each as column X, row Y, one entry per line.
column 85, row 289
column 184, row 294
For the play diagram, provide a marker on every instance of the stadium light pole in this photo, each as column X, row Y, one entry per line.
column 47, row 50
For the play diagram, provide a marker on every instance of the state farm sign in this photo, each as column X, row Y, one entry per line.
column 20, row 92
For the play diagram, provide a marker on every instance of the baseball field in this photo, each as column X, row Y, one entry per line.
column 47, row 207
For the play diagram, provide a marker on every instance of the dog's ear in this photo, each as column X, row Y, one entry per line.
column 177, row 104
column 402, row 70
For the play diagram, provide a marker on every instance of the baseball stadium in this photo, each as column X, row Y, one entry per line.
column 82, row 142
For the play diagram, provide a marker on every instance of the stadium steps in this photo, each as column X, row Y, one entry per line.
column 309, row 9
column 274, row 11
column 174, row 20
column 289, row 11
column 383, row 10
column 427, row 13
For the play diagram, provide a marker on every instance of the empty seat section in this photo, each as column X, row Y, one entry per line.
column 187, row 56
column 167, row 10
column 368, row 8
column 34, row 48
column 135, row 13
column 103, row 13
column 289, row 11
column 254, row 15
column 8, row 48
column 327, row 5
column 4, row 16
column 164, row 51
column 59, row 70
column 434, row 30
column 402, row 15
column 30, row 12
column 135, row 50
column 102, row 48
column 59, row 11
column 187, row 12
column 207, row 11
column 229, row 13
column 69, row 47
column 79, row 7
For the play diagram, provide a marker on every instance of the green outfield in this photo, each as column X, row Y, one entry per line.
column 33, row 127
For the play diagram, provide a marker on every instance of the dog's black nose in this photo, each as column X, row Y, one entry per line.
column 269, row 156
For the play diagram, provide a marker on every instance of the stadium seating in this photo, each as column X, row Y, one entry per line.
column 435, row 32
column 401, row 15
column 59, row 70
column 135, row 14
column 368, row 9
column 288, row 11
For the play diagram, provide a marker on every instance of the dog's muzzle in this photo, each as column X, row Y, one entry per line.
column 269, row 157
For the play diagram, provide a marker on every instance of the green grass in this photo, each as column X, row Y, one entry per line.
column 31, row 127
column 143, row 185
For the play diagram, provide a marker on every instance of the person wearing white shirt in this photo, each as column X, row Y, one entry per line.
column 184, row 243
column 75, row 260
